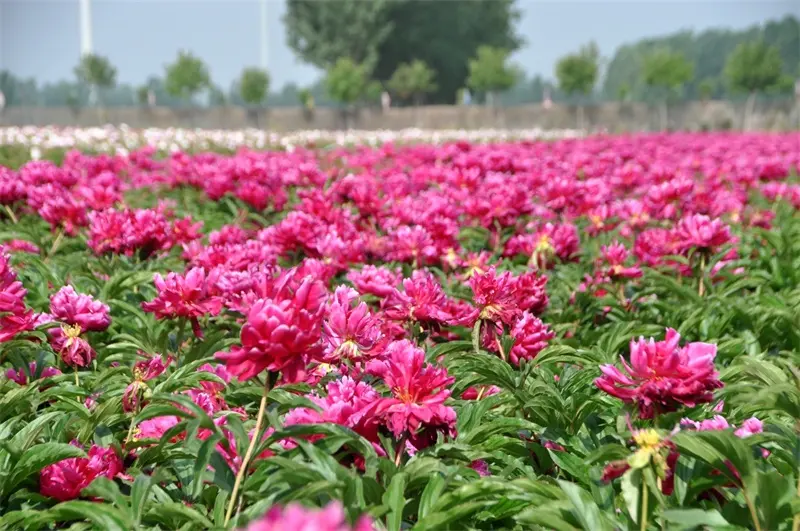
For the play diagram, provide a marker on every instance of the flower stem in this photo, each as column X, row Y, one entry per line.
column 77, row 380
column 476, row 336
column 246, row 461
column 796, row 520
column 398, row 454
column 500, row 348
column 701, row 286
column 11, row 215
column 643, row 516
column 56, row 243
column 754, row 514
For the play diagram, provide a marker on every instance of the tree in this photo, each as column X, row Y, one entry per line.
column 753, row 67
column 254, row 86
column 445, row 35
column 347, row 82
column 489, row 72
column 186, row 77
column 323, row 32
column 577, row 74
column 706, row 88
column 412, row 81
column 98, row 73
column 666, row 71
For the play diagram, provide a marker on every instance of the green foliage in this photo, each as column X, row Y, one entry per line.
column 346, row 81
column 707, row 50
column 666, row 69
column 707, row 88
column 254, row 86
column 577, row 73
column 489, row 71
column 96, row 71
column 187, row 76
column 753, row 67
column 412, row 80
column 321, row 33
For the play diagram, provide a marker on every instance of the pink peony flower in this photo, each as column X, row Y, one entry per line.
column 73, row 349
column 21, row 377
column 613, row 261
column 295, row 517
column 531, row 336
column 185, row 296
column 66, row 479
column 701, row 233
column 349, row 332
column 416, row 408
column 280, row 334
column 75, row 308
column 378, row 281
column 422, row 300
column 662, row 376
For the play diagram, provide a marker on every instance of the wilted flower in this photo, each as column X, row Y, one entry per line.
column 662, row 376
column 73, row 349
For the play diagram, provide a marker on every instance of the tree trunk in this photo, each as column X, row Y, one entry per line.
column 664, row 115
column 581, row 118
column 748, row 110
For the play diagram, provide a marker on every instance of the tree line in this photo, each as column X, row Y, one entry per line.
column 434, row 51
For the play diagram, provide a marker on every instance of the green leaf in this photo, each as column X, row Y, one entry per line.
column 395, row 501
column 585, row 509
column 102, row 515
column 430, row 495
column 694, row 518
column 36, row 458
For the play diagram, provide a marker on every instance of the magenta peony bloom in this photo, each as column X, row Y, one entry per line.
column 613, row 261
column 529, row 289
column 701, row 233
column 349, row 333
column 185, row 296
column 416, row 408
column 531, row 336
column 21, row 377
column 378, row 281
column 280, row 334
column 494, row 296
column 662, row 376
column 66, row 479
column 423, row 300
column 75, row 308
column 295, row 517
column 151, row 367
column 12, row 294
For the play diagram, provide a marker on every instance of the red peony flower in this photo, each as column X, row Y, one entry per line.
column 662, row 376
column 348, row 332
column 66, row 479
column 531, row 336
column 701, row 233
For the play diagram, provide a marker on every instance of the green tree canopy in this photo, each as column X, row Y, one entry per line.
column 445, row 35
column 753, row 67
column 96, row 71
column 254, row 86
column 666, row 69
column 706, row 50
column 412, row 80
column 187, row 76
column 577, row 73
column 490, row 72
column 346, row 81
column 322, row 32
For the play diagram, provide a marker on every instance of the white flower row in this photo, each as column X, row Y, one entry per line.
column 123, row 138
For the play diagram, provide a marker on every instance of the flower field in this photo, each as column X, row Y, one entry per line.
column 599, row 333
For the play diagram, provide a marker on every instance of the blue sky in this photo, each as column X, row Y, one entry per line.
column 40, row 38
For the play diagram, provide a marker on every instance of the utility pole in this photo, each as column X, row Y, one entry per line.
column 264, row 52
column 86, row 38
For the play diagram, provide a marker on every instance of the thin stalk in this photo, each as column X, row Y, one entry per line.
column 246, row 461
column 77, row 380
column 11, row 214
column 643, row 516
column 476, row 336
column 753, row 513
column 180, row 336
column 796, row 520
column 398, row 454
column 56, row 243
column 701, row 286
column 500, row 348
column 480, row 393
